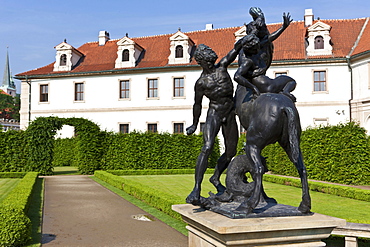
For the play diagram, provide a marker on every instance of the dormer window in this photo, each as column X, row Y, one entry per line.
column 63, row 60
column 319, row 42
column 125, row 55
column 181, row 47
column 128, row 53
column 66, row 58
column 179, row 52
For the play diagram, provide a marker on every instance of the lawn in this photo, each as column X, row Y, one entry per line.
column 6, row 185
column 345, row 208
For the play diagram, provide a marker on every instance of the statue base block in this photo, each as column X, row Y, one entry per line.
column 210, row 229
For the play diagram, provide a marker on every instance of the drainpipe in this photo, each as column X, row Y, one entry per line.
column 350, row 100
column 29, row 100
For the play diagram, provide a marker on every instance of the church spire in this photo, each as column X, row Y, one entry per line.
column 8, row 84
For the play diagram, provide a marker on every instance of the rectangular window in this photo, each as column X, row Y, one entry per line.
column 44, row 93
column 79, row 91
column 280, row 73
column 178, row 87
column 152, row 128
column 124, row 128
column 152, row 88
column 319, row 81
column 320, row 122
column 124, row 89
column 178, row 128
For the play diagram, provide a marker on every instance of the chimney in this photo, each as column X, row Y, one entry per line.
column 308, row 17
column 209, row 27
column 103, row 37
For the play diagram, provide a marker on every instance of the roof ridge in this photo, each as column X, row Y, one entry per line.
column 358, row 37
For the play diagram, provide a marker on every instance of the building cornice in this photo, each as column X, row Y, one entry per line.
column 175, row 68
column 109, row 72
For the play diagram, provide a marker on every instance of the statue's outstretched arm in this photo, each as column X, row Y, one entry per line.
column 231, row 56
column 286, row 22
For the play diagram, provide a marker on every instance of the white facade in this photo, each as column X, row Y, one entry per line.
column 103, row 105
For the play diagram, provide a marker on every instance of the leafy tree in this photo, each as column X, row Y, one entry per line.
column 9, row 106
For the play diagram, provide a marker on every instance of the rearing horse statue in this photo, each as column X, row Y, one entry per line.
column 270, row 118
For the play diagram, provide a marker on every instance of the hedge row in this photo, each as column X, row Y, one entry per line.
column 333, row 189
column 65, row 152
column 15, row 226
column 154, row 151
column 155, row 172
column 155, row 198
column 36, row 149
column 13, row 151
column 338, row 154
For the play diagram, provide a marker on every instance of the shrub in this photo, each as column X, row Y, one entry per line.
column 154, row 151
column 40, row 144
column 13, row 154
column 65, row 152
column 89, row 144
column 15, row 226
column 339, row 190
column 338, row 154
column 155, row 172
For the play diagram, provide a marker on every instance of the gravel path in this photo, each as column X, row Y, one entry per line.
column 80, row 212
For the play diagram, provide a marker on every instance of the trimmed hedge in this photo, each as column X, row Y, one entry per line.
column 15, row 226
column 154, row 151
column 333, row 189
column 155, row 198
column 155, row 172
column 13, row 154
column 337, row 154
column 65, row 152
column 89, row 144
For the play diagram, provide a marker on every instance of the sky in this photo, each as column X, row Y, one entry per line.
column 30, row 30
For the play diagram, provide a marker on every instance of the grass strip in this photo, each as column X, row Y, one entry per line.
column 179, row 225
column 6, row 185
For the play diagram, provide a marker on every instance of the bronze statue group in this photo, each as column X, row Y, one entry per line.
column 265, row 108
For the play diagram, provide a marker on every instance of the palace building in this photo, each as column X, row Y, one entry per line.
column 147, row 83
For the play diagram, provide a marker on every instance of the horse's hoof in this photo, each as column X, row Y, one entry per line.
column 220, row 189
column 224, row 197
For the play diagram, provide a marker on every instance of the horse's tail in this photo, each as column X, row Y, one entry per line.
column 293, row 134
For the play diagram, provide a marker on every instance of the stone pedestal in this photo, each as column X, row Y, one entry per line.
column 209, row 229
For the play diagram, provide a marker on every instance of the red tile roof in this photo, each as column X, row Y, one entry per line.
column 3, row 92
column 289, row 46
column 364, row 42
